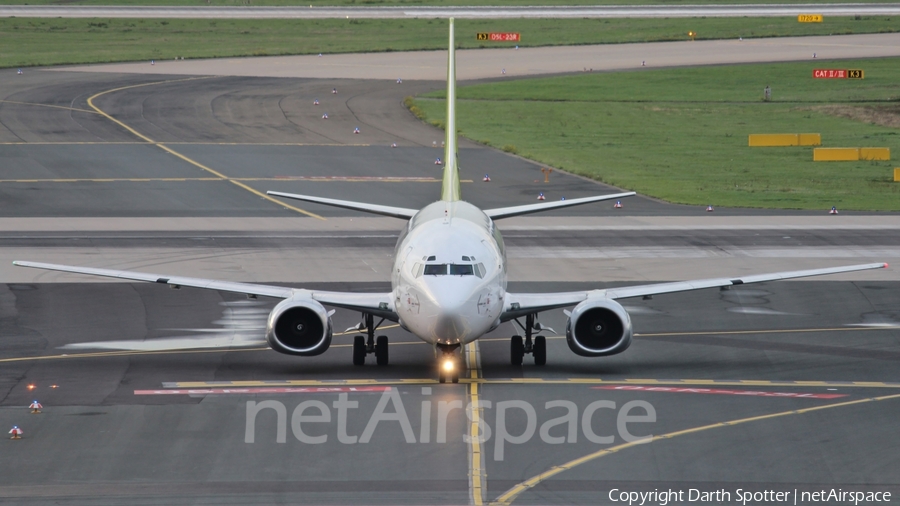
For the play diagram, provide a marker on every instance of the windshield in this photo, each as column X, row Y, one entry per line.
column 453, row 270
column 436, row 269
column 461, row 270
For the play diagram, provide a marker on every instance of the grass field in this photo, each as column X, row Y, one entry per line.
column 681, row 135
column 31, row 41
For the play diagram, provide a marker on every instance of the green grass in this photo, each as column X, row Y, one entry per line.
column 681, row 134
column 31, row 41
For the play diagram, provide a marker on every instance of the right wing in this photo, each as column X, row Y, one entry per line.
column 393, row 212
column 521, row 304
column 378, row 304
column 509, row 212
column 280, row 292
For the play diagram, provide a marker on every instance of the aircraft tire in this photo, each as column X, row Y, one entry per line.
column 540, row 350
column 381, row 350
column 516, row 350
column 359, row 350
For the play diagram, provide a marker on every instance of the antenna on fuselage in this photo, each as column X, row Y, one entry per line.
column 450, row 186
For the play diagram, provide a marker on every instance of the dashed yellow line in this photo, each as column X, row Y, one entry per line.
column 510, row 495
column 90, row 102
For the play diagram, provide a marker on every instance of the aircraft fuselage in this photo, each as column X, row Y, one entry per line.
column 449, row 275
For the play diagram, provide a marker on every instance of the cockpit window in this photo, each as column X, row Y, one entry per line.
column 461, row 270
column 451, row 269
column 436, row 269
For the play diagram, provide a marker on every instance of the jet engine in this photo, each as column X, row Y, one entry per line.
column 598, row 327
column 299, row 326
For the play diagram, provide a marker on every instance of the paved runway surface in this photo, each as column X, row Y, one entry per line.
column 763, row 387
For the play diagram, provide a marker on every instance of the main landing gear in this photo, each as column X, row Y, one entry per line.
column 449, row 363
column 536, row 346
column 362, row 345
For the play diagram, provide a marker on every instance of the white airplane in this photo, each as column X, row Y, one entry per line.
column 448, row 283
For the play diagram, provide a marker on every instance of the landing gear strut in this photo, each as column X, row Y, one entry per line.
column 537, row 345
column 362, row 345
column 449, row 363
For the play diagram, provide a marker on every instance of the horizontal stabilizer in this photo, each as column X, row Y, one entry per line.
column 509, row 212
column 393, row 212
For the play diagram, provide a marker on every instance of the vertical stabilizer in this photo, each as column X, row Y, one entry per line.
column 450, row 187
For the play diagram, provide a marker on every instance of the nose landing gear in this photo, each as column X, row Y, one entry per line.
column 363, row 346
column 449, row 363
column 537, row 345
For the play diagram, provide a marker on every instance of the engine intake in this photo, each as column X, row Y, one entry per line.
column 299, row 326
column 598, row 327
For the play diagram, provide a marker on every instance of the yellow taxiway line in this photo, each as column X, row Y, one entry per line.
column 90, row 102
column 512, row 494
column 477, row 475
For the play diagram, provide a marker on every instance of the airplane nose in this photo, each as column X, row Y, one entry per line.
column 453, row 308
column 450, row 327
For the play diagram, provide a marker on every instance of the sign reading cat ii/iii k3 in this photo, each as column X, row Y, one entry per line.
column 838, row 74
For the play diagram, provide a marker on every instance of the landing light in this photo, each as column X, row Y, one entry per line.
column 448, row 365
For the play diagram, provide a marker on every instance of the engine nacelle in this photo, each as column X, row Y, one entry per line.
column 598, row 327
column 299, row 326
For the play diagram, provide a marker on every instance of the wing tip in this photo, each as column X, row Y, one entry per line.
column 884, row 266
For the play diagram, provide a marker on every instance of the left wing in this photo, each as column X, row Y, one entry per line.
column 378, row 304
column 509, row 212
column 521, row 304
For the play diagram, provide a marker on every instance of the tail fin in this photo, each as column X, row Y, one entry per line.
column 450, row 187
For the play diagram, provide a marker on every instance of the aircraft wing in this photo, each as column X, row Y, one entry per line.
column 393, row 212
column 521, row 304
column 378, row 304
column 509, row 212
